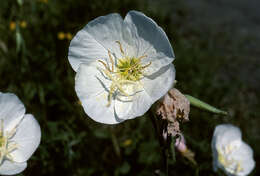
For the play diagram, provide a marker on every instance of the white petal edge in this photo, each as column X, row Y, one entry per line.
column 158, row 84
column 93, row 95
column 138, row 107
column 12, row 168
column 107, row 30
column 225, row 134
column 12, row 110
column 149, row 39
column 27, row 137
column 85, row 49
column 245, row 155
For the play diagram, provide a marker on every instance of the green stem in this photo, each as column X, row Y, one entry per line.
column 157, row 126
column 115, row 143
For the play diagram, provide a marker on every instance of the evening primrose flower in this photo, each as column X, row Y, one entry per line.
column 123, row 66
column 230, row 153
column 19, row 135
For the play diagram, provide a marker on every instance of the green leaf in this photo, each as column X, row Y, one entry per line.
column 202, row 105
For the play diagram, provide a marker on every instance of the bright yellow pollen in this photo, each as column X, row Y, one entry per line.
column 129, row 70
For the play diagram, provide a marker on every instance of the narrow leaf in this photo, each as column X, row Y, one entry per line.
column 202, row 105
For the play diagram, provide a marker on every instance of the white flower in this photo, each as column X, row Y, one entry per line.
column 19, row 135
column 230, row 153
column 123, row 66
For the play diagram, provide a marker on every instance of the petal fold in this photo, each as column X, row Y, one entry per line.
column 92, row 88
column 12, row 110
column 84, row 48
column 139, row 105
column 158, row 84
column 149, row 39
column 27, row 137
column 244, row 154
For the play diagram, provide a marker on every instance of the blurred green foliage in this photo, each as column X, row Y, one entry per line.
column 34, row 40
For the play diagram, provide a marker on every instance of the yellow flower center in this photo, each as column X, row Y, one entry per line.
column 128, row 71
column 6, row 146
column 233, row 166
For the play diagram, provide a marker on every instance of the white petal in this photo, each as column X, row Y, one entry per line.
column 11, row 168
column 244, row 154
column 123, row 109
column 27, row 136
column 84, row 48
column 158, row 84
column 149, row 39
column 107, row 30
column 226, row 133
column 143, row 100
column 90, row 80
column 128, row 110
column 11, row 110
column 141, row 104
column 92, row 90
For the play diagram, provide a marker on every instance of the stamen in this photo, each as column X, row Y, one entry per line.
column 9, row 157
column 121, row 48
column 128, row 71
column 111, row 60
column 11, row 133
column 147, row 65
column 6, row 145
column 12, row 147
column 105, row 65
column 112, row 87
column 1, row 128
column 116, row 84
column 141, row 57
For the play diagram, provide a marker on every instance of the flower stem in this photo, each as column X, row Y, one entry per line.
column 115, row 143
column 159, row 133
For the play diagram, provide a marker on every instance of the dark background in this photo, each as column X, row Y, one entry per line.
column 216, row 44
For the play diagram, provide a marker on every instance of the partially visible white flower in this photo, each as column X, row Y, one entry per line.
column 230, row 153
column 20, row 135
column 123, row 66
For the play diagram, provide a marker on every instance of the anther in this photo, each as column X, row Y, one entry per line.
column 105, row 65
column 141, row 57
column 111, row 60
column 120, row 46
column 147, row 65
